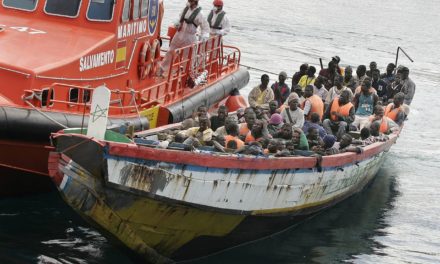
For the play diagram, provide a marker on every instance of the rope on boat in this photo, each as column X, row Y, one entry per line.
column 261, row 70
column 45, row 115
column 132, row 91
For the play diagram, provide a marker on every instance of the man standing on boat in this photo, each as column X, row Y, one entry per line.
column 408, row 86
column 190, row 19
column 280, row 89
column 218, row 21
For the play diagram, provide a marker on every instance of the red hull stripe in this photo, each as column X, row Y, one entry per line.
column 260, row 163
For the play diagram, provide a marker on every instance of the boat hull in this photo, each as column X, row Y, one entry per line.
column 166, row 205
column 24, row 133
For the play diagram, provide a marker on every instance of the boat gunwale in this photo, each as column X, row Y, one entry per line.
column 237, row 161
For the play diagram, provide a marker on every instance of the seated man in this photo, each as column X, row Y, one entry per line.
column 312, row 104
column 394, row 110
column 244, row 128
column 319, row 88
column 274, row 146
column 345, row 145
column 258, row 132
column 201, row 111
column 313, row 138
column 339, row 115
column 219, row 120
column 280, row 89
column 285, row 133
column 386, row 124
column 198, row 136
column 261, row 95
column 364, row 103
column 275, row 124
column 254, row 148
column 232, row 130
column 293, row 115
column 327, row 147
column 221, row 132
column 337, row 90
column 299, row 140
column 309, row 78
column 380, row 85
column 314, row 122
column 273, row 108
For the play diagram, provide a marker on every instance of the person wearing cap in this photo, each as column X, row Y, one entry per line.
column 260, row 95
column 389, row 76
column 280, row 89
column 191, row 18
column 275, row 124
column 293, row 115
column 218, row 21
column 408, row 86
column 309, row 78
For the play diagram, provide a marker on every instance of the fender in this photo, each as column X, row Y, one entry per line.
column 28, row 124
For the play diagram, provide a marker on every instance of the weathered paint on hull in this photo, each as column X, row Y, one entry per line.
column 183, row 211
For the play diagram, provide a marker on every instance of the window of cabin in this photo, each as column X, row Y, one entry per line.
column 126, row 11
column 144, row 8
column 68, row 8
column 74, row 95
column 44, row 97
column 28, row 5
column 101, row 10
column 136, row 7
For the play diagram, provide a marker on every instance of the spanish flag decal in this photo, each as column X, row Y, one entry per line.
column 121, row 54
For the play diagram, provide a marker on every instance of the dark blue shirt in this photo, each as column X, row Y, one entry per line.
column 381, row 88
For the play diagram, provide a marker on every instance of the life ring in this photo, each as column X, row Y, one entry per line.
column 145, row 61
column 155, row 56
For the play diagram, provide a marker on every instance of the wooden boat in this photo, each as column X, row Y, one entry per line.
column 169, row 204
column 53, row 55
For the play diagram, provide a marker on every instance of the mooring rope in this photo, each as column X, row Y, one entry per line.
column 261, row 70
column 45, row 115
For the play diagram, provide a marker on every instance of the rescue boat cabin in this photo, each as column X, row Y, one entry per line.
column 55, row 52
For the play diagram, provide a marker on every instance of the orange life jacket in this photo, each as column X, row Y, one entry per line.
column 343, row 110
column 317, row 106
column 392, row 113
column 249, row 138
column 239, row 142
column 244, row 130
column 383, row 124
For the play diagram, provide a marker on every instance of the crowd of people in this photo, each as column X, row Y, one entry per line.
column 327, row 114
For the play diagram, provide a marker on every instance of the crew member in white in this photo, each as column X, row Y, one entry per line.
column 218, row 21
column 190, row 19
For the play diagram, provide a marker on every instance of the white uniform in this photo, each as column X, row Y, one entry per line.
column 225, row 25
column 187, row 35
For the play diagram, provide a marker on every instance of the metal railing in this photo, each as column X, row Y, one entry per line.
column 211, row 59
